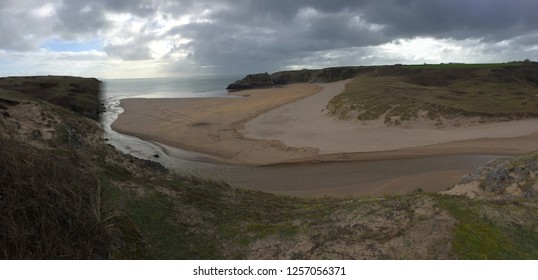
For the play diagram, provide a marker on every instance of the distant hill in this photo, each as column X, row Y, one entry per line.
column 437, row 92
column 332, row 74
column 326, row 75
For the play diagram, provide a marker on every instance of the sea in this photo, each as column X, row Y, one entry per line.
column 180, row 87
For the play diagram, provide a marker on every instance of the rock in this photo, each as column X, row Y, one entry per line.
column 467, row 178
column 252, row 81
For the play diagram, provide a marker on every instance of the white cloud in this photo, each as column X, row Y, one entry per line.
column 155, row 37
column 47, row 10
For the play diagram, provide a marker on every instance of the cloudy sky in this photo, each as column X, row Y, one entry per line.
column 151, row 38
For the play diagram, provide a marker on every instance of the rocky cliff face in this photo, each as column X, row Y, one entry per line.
column 259, row 80
column 325, row 75
column 503, row 178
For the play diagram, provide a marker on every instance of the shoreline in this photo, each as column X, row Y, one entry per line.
column 262, row 127
column 211, row 131
column 210, row 125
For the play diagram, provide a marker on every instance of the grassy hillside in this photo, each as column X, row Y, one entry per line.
column 65, row 194
column 325, row 75
column 438, row 92
column 73, row 93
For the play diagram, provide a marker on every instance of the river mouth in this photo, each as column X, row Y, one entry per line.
column 366, row 178
column 369, row 178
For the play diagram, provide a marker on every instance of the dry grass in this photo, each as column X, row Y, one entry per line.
column 50, row 210
column 404, row 93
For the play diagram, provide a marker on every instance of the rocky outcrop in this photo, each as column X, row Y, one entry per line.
column 503, row 177
column 326, row 75
column 259, row 80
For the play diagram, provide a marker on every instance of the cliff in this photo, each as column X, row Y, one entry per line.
column 325, row 75
column 252, row 81
column 77, row 94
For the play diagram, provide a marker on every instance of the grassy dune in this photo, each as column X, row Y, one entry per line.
column 73, row 93
column 65, row 194
column 404, row 93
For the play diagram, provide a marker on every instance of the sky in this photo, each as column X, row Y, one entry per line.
column 163, row 38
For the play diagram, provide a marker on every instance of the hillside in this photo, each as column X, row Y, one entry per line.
column 441, row 94
column 66, row 194
column 325, row 75
column 73, row 93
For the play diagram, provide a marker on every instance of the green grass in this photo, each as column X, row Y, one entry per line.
column 483, row 91
column 154, row 215
column 486, row 230
column 462, row 65
column 73, row 93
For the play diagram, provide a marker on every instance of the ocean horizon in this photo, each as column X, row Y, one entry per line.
column 175, row 87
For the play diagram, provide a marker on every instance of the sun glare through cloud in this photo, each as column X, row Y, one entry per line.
column 172, row 38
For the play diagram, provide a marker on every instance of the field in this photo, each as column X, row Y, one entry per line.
column 436, row 92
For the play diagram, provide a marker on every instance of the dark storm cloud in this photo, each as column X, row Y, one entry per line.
column 22, row 28
column 81, row 17
column 460, row 19
column 268, row 34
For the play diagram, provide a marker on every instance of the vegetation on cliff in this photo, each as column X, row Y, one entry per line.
column 77, row 94
column 66, row 194
column 326, row 75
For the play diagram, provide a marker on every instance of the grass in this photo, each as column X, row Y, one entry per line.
column 77, row 94
column 74, row 197
column 463, row 65
column 487, row 230
column 48, row 207
column 401, row 94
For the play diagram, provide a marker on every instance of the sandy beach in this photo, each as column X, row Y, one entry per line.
column 211, row 125
column 291, row 124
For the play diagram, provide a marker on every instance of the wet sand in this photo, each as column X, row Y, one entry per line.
column 370, row 178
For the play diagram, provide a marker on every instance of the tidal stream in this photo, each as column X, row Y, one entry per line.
column 358, row 178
